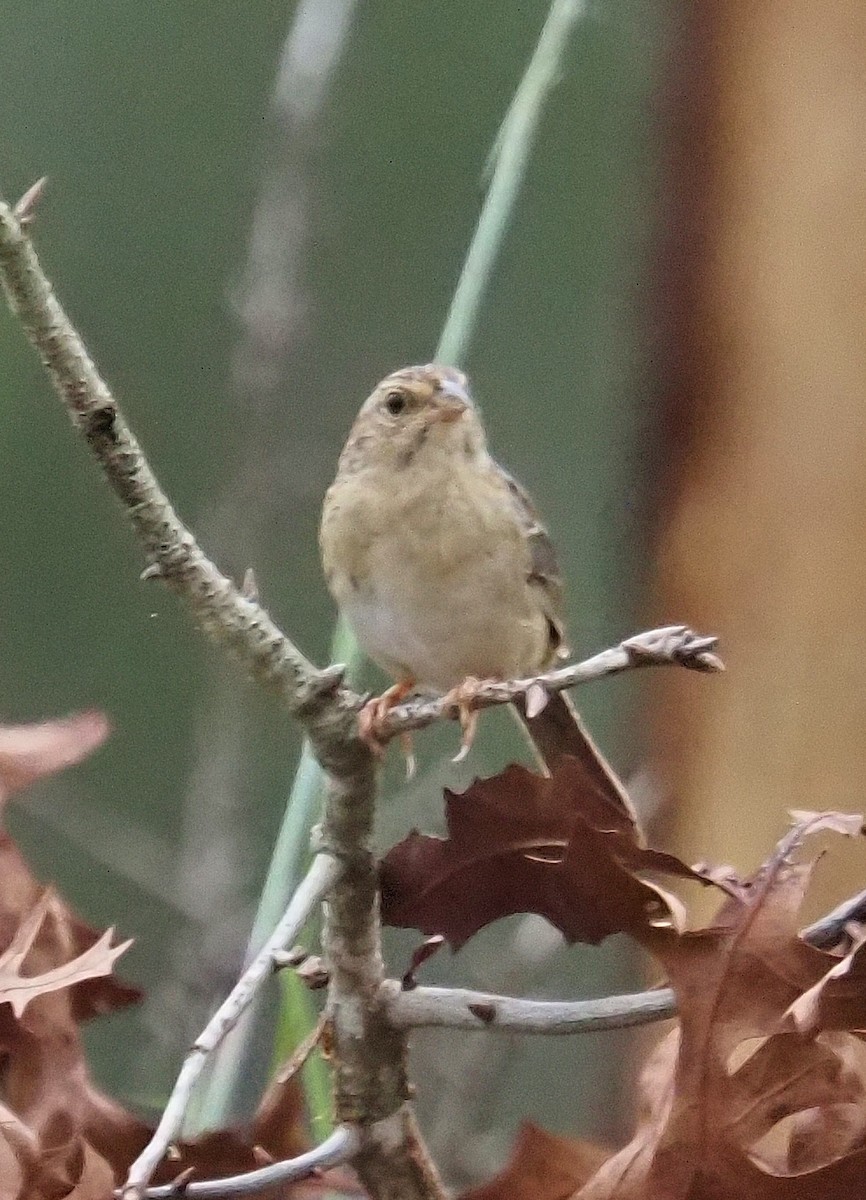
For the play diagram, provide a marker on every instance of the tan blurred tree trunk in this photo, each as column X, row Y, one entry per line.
column 764, row 532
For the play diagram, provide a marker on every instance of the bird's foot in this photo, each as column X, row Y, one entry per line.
column 463, row 698
column 373, row 715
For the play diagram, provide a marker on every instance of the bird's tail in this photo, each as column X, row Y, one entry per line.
column 557, row 731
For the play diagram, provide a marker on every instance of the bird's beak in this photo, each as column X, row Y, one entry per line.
column 453, row 403
column 448, row 411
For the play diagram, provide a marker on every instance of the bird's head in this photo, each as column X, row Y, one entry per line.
column 416, row 413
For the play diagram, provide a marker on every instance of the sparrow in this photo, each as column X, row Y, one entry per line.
column 439, row 562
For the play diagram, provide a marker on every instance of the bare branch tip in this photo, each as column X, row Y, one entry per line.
column 25, row 209
column 153, row 571
column 709, row 663
column 182, row 1181
column 328, row 681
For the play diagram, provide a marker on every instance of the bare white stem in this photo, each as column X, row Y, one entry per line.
column 319, row 880
column 459, row 1008
column 336, row 1149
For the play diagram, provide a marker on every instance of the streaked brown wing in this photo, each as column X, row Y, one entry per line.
column 544, row 570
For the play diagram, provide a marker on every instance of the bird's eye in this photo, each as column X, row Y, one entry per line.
column 395, row 402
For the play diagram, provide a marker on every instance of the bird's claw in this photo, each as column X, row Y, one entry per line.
column 372, row 718
column 463, row 698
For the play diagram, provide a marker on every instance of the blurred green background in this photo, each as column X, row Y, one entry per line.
column 253, row 213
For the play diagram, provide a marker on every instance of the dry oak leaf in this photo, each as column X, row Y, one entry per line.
column 29, row 753
column 59, row 1135
column 542, row 1167
column 18, row 990
column 731, row 1106
column 520, row 842
column 838, row 999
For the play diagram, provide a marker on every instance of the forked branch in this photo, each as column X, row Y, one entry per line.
column 321, row 877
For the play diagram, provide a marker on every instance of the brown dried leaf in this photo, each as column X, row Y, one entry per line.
column 68, row 1167
column 542, row 1167
column 19, row 1153
column 731, row 1106
column 521, row 842
column 59, row 1135
column 18, row 990
column 31, row 752
column 838, row 999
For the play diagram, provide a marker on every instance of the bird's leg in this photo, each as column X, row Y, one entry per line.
column 462, row 697
column 373, row 714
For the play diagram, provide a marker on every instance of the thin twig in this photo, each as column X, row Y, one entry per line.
column 319, row 880
column 459, row 1008
column 302, row 1052
column 670, row 644
column 338, row 1148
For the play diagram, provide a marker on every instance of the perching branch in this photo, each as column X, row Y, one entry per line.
column 339, row 1148
column 459, row 1008
column 320, row 879
column 671, row 644
column 370, row 1079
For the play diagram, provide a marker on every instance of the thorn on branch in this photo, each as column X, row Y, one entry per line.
column 486, row 1013
column 537, row 697
column 289, row 958
column 313, row 973
column 249, row 587
column 303, row 1050
column 25, row 209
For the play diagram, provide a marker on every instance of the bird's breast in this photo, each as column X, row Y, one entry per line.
column 431, row 574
